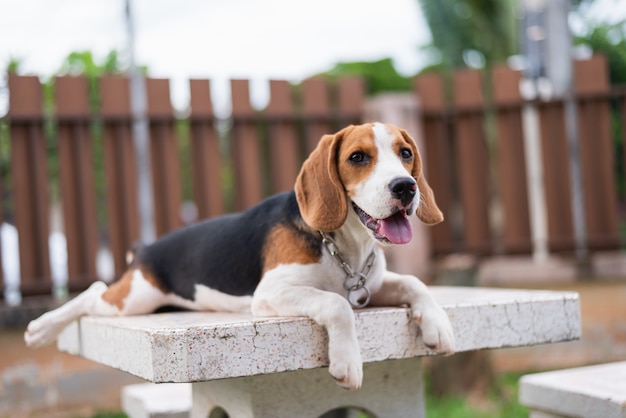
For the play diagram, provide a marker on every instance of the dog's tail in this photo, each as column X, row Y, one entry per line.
column 133, row 250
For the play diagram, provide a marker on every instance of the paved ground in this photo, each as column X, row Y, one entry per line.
column 47, row 383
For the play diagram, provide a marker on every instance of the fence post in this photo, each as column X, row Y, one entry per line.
column 140, row 135
column 534, row 157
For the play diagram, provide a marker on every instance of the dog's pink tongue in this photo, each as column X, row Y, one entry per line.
column 397, row 228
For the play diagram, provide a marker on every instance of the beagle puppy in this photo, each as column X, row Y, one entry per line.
column 315, row 252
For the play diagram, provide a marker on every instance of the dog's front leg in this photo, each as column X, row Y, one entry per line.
column 399, row 289
column 330, row 310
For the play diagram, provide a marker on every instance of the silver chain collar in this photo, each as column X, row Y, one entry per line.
column 353, row 282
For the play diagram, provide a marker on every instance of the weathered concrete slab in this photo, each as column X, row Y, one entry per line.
column 589, row 392
column 203, row 346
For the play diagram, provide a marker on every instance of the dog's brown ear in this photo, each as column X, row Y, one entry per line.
column 320, row 193
column 428, row 212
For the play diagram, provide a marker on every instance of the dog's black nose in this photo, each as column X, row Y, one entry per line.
column 403, row 189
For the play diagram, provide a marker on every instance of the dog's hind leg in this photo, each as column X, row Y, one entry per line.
column 45, row 329
column 133, row 294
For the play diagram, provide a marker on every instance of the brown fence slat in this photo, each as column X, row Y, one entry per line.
column 245, row 147
column 205, row 152
column 166, row 177
column 473, row 161
column 511, row 161
column 316, row 111
column 350, row 99
column 120, row 168
column 430, row 93
column 597, row 155
column 556, row 176
column 77, row 179
column 283, row 139
column 29, row 171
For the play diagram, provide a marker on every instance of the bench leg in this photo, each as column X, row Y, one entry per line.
column 391, row 388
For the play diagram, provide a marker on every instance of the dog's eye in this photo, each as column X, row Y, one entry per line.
column 358, row 157
column 406, row 154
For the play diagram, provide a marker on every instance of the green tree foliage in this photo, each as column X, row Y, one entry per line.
column 472, row 32
column 13, row 65
column 379, row 75
column 83, row 63
column 609, row 40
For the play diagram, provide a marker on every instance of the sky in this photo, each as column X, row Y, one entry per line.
column 225, row 39
column 216, row 39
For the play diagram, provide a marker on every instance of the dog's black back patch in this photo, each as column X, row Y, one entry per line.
column 223, row 253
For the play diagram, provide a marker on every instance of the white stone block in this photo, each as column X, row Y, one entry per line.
column 586, row 392
column 149, row 400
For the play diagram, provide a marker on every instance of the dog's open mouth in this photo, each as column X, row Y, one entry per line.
column 396, row 229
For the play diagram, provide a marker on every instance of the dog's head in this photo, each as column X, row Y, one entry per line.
column 374, row 170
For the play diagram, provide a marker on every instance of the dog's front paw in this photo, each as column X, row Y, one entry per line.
column 346, row 364
column 437, row 332
column 347, row 373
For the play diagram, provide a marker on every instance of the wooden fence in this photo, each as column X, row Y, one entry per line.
column 477, row 163
column 84, row 158
column 274, row 141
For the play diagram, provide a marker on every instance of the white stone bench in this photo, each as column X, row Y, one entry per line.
column 274, row 367
column 585, row 392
